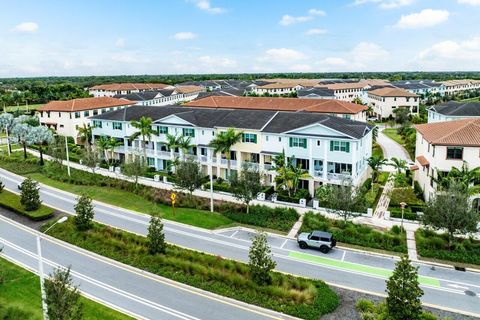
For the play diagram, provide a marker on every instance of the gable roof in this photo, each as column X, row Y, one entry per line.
column 188, row 89
column 392, row 92
column 279, row 104
column 322, row 92
column 458, row 109
column 130, row 86
column 452, row 133
column 264, row 120
column 84, row 104
column 138, row 96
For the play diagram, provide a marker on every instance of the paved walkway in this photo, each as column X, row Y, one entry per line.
column 391, row 149
column 384, row 200
column 411, row 246
column 296, row 227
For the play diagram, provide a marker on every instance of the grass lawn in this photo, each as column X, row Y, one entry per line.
column 128, row 200
column 20, row 290
column 377, row 150
column 471, row 99
column 11, row 201
column 392, row 134
column 23, row 107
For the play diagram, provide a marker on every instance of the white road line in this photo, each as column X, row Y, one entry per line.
column 283, row 244
column 343, row 255
column 233, row 234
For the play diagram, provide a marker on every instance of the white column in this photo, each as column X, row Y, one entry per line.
column 326, row 146
column 310, row 146
column 239, row 161
column 354, row 159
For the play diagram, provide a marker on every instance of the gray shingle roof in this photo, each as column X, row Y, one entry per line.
column 458, row 109
column 322, row 92
column 138, row 96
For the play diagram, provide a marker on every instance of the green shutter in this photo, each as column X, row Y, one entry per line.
column 193, row 133
column 347, row 147
column 254, row 138
column 331, row 145
column 290, row 142
column 304, row 143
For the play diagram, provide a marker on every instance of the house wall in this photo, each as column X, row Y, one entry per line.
column 383, row 107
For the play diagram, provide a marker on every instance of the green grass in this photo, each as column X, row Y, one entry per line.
column 11, row 201
column 20, row 289
column 131, row 201
column 377, row 150
column 392, row 134
column 300, row 297
column 23, row 107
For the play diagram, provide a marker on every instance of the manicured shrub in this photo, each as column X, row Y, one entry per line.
column 281, row 219
column 85, row 213
column 30, row 195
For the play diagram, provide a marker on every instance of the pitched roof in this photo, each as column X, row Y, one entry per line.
column 278, row 85
column 138, row 96
column 423, row 161
column 458, row 109
column 188, row 89
column 315, row 91
column 270, row 121
column 464, row 132
column 392, row 92
column 130, row 86
column 84, row 104
column 279, row 104
column 344, row 85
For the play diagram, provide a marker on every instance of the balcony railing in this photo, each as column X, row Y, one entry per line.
column 338, row 176
column 267, row 167
column 317, row 173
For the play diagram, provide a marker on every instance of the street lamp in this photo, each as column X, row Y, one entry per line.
column 40, row 268
column 68, row 159
column 402, row 205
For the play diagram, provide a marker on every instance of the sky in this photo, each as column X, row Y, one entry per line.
column 115, row 37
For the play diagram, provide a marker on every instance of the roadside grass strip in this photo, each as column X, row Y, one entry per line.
column 374, row 271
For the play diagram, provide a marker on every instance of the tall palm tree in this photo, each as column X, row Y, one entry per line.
column 112, row 144
column 184, row 143
column 375, row 162
column 223, row 143
column 85, row 134
column 288, row 174
column 144, row 126
column 464, row 176
column 398, row 164
column 173, row 142
column 102, row 145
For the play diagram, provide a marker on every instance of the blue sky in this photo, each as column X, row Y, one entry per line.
column 107, row 37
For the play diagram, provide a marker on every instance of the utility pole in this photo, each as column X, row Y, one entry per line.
column 68, row 158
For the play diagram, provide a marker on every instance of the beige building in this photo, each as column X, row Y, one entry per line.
column 385, row 101
column 457, row 86
column 277, row 88
column 441, row 146
column 347, row 91
column 111, row 89
column 65, row 117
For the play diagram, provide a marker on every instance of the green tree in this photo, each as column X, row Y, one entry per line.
column 62, row 297
column 246, row 185
column 156, row 237
column 401, row 115
column 451, row 210
column 42, row 137
column 111, row 145
column 345, row 200
column 85, row 134
column 188, row 175
column 90, row 158
column 260, row 259
column 144, row 127
column 223, row 143
column 289, row 174
column 376, row 163
column 403, row 292
column 85, row 213
column 30, row 196
column 185, row 143
column 134, row 169
column 398, row 164
column 102, row 143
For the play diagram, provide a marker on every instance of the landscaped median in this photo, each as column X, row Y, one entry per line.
column 20, row 297
column 11, row 201
column 299, row 297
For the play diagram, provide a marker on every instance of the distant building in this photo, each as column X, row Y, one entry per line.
column 421, row 87
column 163, row 97
column 276, row 88
column 458, row 86
column 111, row 89
column 346, row 91
column 453, row 110
column 65, row 117
column 316, row 93
column 385, row 101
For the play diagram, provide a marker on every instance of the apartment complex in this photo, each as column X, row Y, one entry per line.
column 111, row 89
column 421, row 87
column 385, row 101
column 453, row 110
column 276, row 89
column 330, row 148
column 65, row 117
column 458, row 86
column 337, row 108
column 440, row 146
column 163, row 97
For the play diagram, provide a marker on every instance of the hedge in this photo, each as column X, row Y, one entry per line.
column 11, row 201
column 299, row 297
column 281, row 219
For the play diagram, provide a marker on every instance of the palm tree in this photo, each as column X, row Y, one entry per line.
column 85, row 134
column 375, row 162
column 112, row 144
column 102, row 145
column 224, row 142
column 398, row 164
column 184, row 143
column 297, row 174
column 144, row 126
column 289, row 175
column 464, row 176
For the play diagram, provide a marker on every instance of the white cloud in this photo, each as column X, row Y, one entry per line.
column 120, row 43
column 470, row 2
column 216, row 64
column 206, row 6
column 364, row 56
column 423, row 19
column 314, row 32
column 184, row 36
column 289, row 20
column 283, row 56
column 316, row 12
column 301, row 68
column 386, row 4
column 26, row 27
column 451, row 55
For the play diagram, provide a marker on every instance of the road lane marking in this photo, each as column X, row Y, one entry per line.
column 456, row 286
column 284, row 243
column 233, row 234
column 343, row 255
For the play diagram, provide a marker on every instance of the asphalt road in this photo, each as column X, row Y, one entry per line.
column 444, row 288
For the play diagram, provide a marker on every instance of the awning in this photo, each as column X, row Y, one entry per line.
column 423, row 161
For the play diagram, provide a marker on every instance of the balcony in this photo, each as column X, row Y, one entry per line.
column 268, row 167
column 318, row 172
column 338, row 176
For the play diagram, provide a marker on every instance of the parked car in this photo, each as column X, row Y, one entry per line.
column 321, row 240
column 373, row 119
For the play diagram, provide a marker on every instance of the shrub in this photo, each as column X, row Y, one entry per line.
column 30, row 196
column 85, row 213
column 11, row 202
column 281, row 219
column 156, row 237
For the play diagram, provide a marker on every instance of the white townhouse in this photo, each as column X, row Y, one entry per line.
column 347, row 110
column 276, row 88
column 453, row 110
column 458, row 86
column 111, row 89
column 163, row 97
column 346, row 91
column 330, row 148
column 421, row 87
column 65, row 117
column 440, row 146
column 385, row 101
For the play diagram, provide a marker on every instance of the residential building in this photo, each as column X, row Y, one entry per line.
column 459, row 86
column 111, row 89
column 440, row 146
column 163, row 97
column 276, row 88
column 453, row 110
column 315, row 93
column 330, row 148
column 385, row 101
column 65, row 117
column 421, row 88
column 346, row 91
column 337, row 108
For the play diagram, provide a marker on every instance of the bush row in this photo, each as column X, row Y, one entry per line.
column 360, row 235
column 11, row 201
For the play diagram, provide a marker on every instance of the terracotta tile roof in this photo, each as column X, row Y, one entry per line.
column 130, row 86
column 279, row 104
column 302, row 82
column 464, row 132
column 392, row 92
column 423, row 161
column 189, row 89
column 278, row 85
column 84, row 104
column 413, row 168
column 346, row 85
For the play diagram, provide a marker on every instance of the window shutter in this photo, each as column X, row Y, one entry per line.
column 331, row 145
column 290, row 142
column 254, row 138
column 243, row 137
column 347, row 147
column 304, row 143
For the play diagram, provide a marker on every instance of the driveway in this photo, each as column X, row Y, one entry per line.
column 391, row 149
